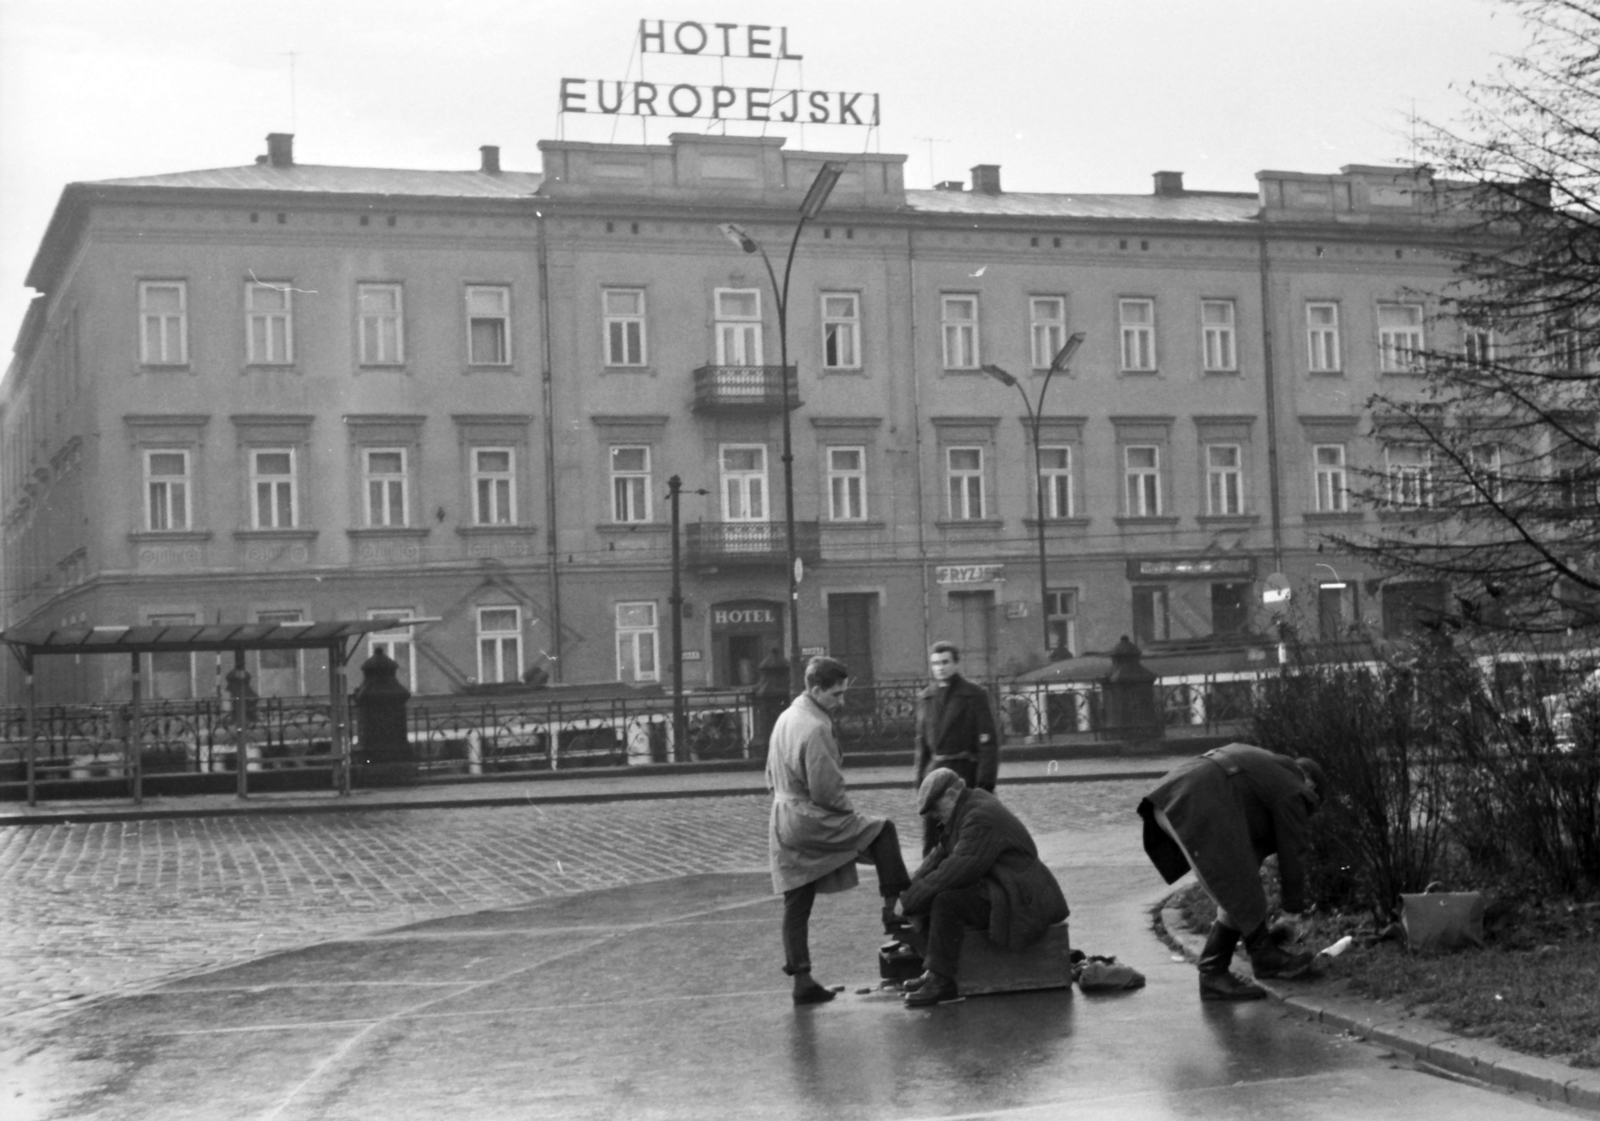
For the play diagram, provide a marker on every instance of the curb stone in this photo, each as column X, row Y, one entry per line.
column 1422, row 1039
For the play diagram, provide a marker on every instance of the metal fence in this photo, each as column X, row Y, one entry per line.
column 465, row 735
column 475, row 735
column 80, row 742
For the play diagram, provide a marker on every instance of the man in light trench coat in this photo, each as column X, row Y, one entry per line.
column 816, row 835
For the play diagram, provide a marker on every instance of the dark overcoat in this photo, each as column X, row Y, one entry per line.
column 985, row 843
column 959, row 729
column 1233, row 807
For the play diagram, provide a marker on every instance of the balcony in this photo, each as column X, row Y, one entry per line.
column 749, row 544
column 743, row 389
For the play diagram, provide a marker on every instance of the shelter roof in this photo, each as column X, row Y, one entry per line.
column 156, row 638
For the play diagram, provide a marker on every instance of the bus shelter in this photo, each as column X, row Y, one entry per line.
column 339, row 639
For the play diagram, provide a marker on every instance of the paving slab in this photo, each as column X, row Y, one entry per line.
column 665, row 1000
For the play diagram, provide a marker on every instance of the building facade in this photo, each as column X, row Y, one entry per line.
column 284, row 392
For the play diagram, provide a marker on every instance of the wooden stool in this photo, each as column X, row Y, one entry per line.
column 986, row 968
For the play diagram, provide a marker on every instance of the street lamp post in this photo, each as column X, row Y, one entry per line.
column 1035, row 415
column 821, row 187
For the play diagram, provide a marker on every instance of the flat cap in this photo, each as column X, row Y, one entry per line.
column 934, row 786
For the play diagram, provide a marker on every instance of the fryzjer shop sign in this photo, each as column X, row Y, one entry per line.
column 969, row 573
column 717, row 102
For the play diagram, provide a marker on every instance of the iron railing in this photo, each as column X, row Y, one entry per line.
column 749, row 543
column 76, row 742
column 744, row 389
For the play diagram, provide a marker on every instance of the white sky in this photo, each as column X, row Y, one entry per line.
column 1066, row 95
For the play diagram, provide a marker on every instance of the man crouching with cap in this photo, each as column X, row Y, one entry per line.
column 985, row 873
column 816, row 835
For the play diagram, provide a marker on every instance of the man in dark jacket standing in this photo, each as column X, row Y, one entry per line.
column 984, row 874
column 955, row 729
column 1222, row 814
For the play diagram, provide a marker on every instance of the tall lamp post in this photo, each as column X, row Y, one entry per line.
column 821, row 187
column 1035, row 415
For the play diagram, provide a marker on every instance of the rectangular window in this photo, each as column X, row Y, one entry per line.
column 384, row 471
column 396, row 644
column 623, row 311
column 1216, row 334
column 1485, row 463
column 744, row 483
column 488, row 325
column 1322, row 337
column 1150, row 622
column 959, row 316
column 1143, row 468
column 1410, row 474
column 163, row 322
column 279, row 673
column 738, row 326
column 1055, row 472
column 1224, row 480
column 269, row 324
column 630, row 483
column 499, row 644
column 273, row 492
column 1336, row 610
column 494, row 491
column 1566, row 345
column 637, row 642
column 382, row 324
column 1061, row 609
column 847, row 484
column 170, row 673
column 841, row 331
column 166, row 475
column 964, row 473
column 1327, row 467
column 1399, row 337
column 1230, row 608
column 1477, row 346
column 1049, row 322
column 1137, row 319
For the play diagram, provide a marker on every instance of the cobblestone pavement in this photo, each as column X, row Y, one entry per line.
column 94, row 909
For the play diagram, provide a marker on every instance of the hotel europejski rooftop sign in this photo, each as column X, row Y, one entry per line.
column 717, row 102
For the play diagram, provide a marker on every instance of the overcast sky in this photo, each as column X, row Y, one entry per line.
column 1066, row 95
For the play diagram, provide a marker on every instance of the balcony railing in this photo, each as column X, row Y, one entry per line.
column 743, row 389
column 750, row 543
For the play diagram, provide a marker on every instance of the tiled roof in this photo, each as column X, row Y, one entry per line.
column 345, row 180
column 1191, row 207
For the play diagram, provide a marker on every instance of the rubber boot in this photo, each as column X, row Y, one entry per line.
column 1217, row 981
column 1268, row 959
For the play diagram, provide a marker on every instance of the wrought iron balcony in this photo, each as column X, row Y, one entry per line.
column 743, row 389
column 720, row 544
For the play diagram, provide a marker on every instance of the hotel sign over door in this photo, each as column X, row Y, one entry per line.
column 717, row 102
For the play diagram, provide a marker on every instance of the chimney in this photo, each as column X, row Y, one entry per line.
column 955, row 185
column 491, row 158
column 986, row 179
column 280, row 149
column 1169, row 184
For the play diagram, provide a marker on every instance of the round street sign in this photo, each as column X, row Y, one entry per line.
column 799, row 569
column 1275, row 595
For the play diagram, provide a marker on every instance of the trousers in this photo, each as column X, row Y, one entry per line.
column 883, row 854
column 953, row 913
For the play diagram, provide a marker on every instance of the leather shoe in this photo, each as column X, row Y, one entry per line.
column 933, row 990
column 1228, row 986
column 813, row 994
